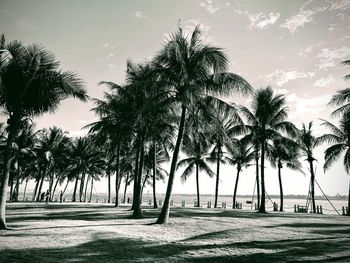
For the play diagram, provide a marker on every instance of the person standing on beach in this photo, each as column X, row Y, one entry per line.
column 47, row 196
column 61, row 196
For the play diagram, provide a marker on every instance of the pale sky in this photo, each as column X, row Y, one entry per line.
column 294, row 46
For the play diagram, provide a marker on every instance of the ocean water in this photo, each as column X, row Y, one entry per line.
column 189, row 200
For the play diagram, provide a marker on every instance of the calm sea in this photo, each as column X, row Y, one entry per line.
column 189, row 200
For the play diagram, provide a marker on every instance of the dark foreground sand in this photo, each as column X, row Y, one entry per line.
column 102, row 233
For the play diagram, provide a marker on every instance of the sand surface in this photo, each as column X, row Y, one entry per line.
column 101, row 233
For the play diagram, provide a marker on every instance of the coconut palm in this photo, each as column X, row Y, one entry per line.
column 339, row 138
column 31, row 84
column 196, row 147
column 342, row 97
column 284, row 151
column 267, row 122
column 191, row 70
column 308, row 142
column 23, row 150
column 240, row 154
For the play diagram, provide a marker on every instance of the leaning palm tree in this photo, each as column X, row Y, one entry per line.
column 31, row 84
column 240, row 154
column 191, row 70
column 284, row 151
column 339, row 137
column 267, row 122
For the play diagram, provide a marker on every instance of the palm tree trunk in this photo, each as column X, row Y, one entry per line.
column 257, row 182
column 349, row 201
column 262, row 208
column 40, row 187
column 65, row 188
column 18, row 176
column 217, row 176
column 11, row 187
column 86, row 186
column 109, row 185
column 12, row 133
column 197, row 183
column 138, row 143
column 164, row 214
column 235, row 191
column 37, row 181
column 137, row 204
column 117, row 179
column 281, row 188
column 92, row 185
column 81, row 190
column 50, row 185
column 155, row 205
column 126, row 186
column 312, row 187
column 25, row 190
column 54, row 188
column 144, row 183
column 74, row 198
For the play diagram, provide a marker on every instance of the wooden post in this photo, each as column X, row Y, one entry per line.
column 183, row 203
column 321, row 212
column 317, row 210
column 295, row 208
column 209, row 204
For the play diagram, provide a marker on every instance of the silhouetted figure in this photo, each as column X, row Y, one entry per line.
column 42, row 197
column 61, row 196
column 47, row 197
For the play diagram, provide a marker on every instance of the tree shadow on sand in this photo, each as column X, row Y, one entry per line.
column 129, row 250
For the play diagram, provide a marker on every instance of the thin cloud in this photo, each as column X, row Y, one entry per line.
column 311, row 8
column 280, row 77
column 323, row 82
column 208, row 5
column 259, row 20
column 331, row 57
column 105, row 45
column 305, row 51
column 298, row 21
column 138, row 14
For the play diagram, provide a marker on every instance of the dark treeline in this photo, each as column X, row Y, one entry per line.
column 169, row 105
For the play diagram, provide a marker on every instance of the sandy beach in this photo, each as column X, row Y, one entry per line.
column 102, row 233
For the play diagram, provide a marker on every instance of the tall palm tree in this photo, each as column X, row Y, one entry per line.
column 284, row 151
column 31, row 84
column 267, row 122
column 240, row 154
column 308, row 142
column 339, row 138
column 191, row 70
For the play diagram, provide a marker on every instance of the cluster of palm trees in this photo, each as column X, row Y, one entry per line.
column 168, row 105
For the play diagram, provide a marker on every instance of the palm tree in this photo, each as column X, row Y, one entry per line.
column 53, row 149
column 342, row 98
column 284, row 152
column 191, row 70
column 308, row 142
column 339, row 137
column 31, row 84
column 267, row 122
column 241, row 155
column 23, row 151
column 196, row 147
